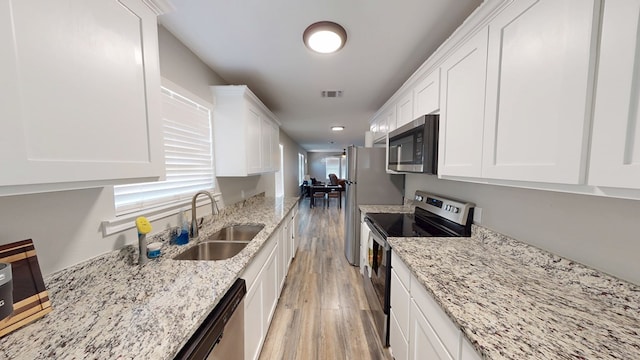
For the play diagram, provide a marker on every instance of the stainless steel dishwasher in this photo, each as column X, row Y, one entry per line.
column 221, row 335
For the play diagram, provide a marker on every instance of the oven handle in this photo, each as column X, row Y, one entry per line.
column 377, row 234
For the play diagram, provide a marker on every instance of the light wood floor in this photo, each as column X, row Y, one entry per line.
column 322, row 312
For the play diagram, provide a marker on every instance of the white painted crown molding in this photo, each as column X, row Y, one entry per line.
column 160, row 6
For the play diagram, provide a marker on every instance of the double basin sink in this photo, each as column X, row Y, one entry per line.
column 222, row 245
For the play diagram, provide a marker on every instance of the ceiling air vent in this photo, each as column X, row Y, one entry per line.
column 332, row 93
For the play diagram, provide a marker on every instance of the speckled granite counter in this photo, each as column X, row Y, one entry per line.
column 514, row 301
column 109, row 308
column 386, row 208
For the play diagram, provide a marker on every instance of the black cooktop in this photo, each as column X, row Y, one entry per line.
column 409, row 225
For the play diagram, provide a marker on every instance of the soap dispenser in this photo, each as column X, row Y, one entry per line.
column 183, row 235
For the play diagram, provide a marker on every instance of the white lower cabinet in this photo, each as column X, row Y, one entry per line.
column 265, row 278
column 261, row 299
column 467, row 352
column 253, row 333
column 423, row 340
column 420, row 329
column 280, row 235
column 270, row 289
column 400, row 307
column 399, row 344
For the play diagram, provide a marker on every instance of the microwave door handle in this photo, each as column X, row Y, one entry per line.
column 399, row 154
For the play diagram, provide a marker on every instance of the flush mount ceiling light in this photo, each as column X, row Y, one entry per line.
column 324, row 37
column 337, row 128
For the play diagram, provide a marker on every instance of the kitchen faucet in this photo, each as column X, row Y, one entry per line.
column 214, row 210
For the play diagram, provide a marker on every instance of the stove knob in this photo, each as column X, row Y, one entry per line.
column 456, row 210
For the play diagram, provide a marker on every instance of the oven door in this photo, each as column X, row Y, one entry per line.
column 377, row 281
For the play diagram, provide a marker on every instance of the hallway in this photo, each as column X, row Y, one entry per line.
column 322, row 312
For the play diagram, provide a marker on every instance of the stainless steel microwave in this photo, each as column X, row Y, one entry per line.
column 414, row 147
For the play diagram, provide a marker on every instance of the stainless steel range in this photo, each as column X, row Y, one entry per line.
column 434, row 216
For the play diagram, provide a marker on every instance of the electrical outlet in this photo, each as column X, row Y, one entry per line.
column 477, row 215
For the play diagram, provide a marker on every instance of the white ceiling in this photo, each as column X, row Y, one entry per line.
column 259, row 43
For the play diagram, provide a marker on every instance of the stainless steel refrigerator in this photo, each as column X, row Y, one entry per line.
column 367, row 184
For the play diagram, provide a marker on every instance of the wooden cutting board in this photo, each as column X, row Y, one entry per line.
column 30, row 298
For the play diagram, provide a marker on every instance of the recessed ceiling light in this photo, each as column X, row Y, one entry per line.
column 324, row 37
column 337, row 128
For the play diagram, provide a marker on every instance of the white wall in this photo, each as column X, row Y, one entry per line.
column 597, row 231
column 65, row 225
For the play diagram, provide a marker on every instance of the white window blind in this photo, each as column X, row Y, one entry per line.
column 300, row 168
column 188, row 158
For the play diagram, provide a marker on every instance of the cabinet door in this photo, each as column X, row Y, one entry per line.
column 400, row 307
column 382, row 128
column 390, row 116
column 266, row 150
column 80, row 95
column 404, row 110
column 423, row 341
column 615, row 147
column 426, row 95
column 398, row 343
column 270, row 287
column 253, row 322
column 467, row 352
column 539, row 81
column 280, row 235
column 254, row 140
column 275, row 147
column 462, row 108
column 294, row 233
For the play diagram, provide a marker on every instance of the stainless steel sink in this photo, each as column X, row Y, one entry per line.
column 243, row 232
column 222, row 245
column 212, row 250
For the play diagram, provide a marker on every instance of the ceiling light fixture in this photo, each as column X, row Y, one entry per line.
column 337, row 128
column 324, row 37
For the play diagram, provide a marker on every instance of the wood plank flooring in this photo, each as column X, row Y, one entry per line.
column 322, row 312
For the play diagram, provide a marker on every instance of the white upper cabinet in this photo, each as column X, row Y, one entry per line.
column 378, row 127
column 462, row 108
column 390, row 116
column 404, row 109
column 245, row 136
column 80, row 95
column 615, row 148
column 426, row 95
column 539, row 84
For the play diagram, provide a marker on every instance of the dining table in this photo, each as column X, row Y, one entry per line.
column 325, row 189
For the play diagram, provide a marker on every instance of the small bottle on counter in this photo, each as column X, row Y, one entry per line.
column 154, row 250
column 183, row 235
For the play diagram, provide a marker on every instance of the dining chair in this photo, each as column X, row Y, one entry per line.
column 319, row 196
column 334, row 195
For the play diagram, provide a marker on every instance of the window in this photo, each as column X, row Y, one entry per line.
column 332, row 166
column 280, row 174
column 300, row 168
column 188, row 158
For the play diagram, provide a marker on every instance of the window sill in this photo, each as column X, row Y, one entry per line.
column 128, row 221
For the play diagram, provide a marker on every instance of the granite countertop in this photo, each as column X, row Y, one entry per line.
column 514, row 301
column 110, row 308
column 387, row 208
